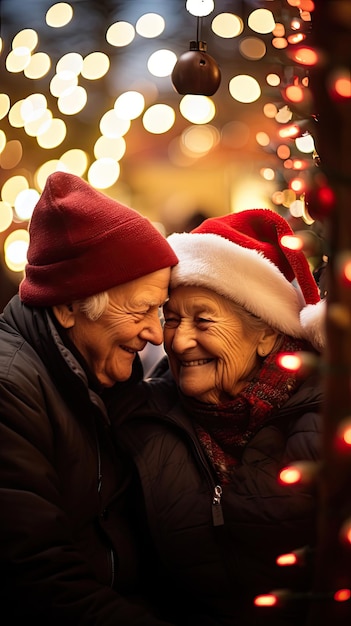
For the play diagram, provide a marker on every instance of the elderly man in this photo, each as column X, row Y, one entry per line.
column 97, row 273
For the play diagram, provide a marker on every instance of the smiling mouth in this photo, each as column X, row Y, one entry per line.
column 195, row 363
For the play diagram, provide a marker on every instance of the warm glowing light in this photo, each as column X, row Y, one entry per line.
column 15, row 248
column 291, row 362
column 38, row 66
column 199, row 8
column 287, row 559
column 305, row 56
column 150, row 25
column 227, row 25
column 120, row 34
column 54, row 135
column 296, row 38
column 103, row 173
column 17, row 60
column 283, row 151
column 273, row 80
column 74, row 161
column 284, row 115
column 71, row 62
column 305, row 143
column 262, row 139
column 129, row 105
column 267, row 173
column 345, row 531
column 342, row 595
column 73, row 100
column 294, row 93
column 159, row 118
column 95, row 65
column 59, row 14
column 304, row 472
column 197, row 109
column 293, row 130
column 342, row 87
column 268, row 599
column 297, row 184
column 292, row 242
column 161, row 63
column 280, row 43
column 113, row 147
column 244, row 88
column 261, row 21
column 25, row 203
column 290, row 475
column 6, row 216
column 199, row 140
column 12, row 187
column 113, row 126
column 62, row 82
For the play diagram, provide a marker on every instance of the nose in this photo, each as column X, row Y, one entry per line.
column 183, row 337
column 152, row 331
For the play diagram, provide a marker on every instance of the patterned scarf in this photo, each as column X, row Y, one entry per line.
column 224, row 429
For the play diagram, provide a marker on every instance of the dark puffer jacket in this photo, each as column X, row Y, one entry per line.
column 219, row 544
column 68, row 554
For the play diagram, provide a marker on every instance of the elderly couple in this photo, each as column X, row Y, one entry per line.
column 151, row 502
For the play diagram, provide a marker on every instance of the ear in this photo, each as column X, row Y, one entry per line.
column 267, row 341
column 65, row 314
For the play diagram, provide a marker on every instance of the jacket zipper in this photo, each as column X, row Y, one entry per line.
column 217, row 513
column 216, row 490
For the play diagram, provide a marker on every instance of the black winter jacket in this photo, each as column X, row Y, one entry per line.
column 68, row 553
column 218, row 544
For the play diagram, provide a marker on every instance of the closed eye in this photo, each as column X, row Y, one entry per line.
column 171, row 322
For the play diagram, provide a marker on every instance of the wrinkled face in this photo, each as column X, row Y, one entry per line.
column 211, row 355
column 110, row 344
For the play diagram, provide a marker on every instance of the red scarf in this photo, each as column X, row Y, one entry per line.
column 224, row 429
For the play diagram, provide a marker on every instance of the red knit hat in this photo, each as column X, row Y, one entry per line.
column 241, row 256
column 82, row 243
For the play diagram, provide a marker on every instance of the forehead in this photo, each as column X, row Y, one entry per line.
column 150, row 290
column 193, row 297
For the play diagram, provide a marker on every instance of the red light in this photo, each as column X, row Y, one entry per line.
column 342, row 595
column 294, row 93
column 347, row 271
column 303, row 472
column 342, row 87
column 305, row 56
column 326, row 196
column 345, row 532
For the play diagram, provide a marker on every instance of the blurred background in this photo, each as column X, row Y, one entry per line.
column 181, row 110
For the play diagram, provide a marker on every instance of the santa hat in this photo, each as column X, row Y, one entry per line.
column 83, row 242
column 242, row 257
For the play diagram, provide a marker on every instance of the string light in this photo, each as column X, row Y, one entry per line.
column 301, row 472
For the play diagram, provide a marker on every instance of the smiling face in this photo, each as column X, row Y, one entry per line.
column 109, row 344
column 212, row 351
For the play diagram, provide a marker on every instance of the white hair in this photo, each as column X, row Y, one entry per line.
column 94, row 306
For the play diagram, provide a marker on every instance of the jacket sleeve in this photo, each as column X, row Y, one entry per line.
column 41, row 567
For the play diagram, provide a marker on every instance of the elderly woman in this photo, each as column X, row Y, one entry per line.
column 220, row 425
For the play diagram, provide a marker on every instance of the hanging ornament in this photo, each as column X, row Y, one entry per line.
column 196, row 72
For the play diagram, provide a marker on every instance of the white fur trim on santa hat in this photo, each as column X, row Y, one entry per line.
column 312, row 318
column 241, row 274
